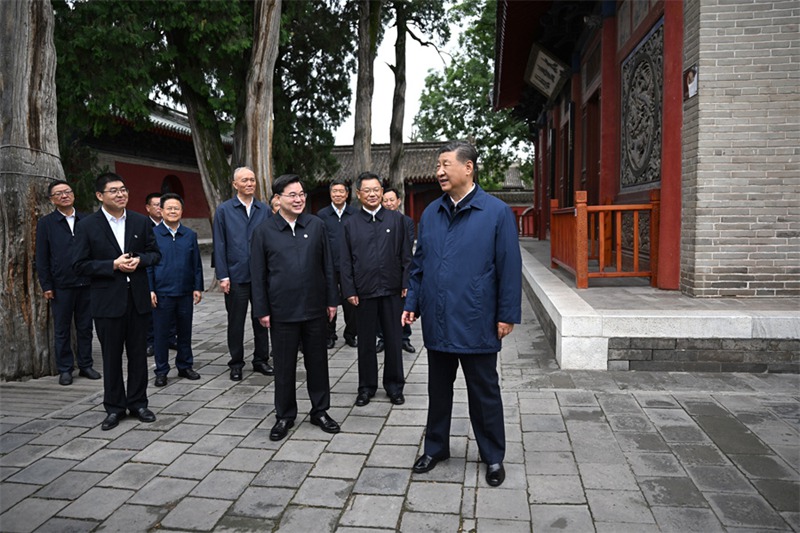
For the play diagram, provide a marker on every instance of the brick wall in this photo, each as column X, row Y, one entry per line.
column 741, row 150
column 704, row 355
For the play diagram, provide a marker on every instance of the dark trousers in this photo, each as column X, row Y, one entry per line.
column 68, row 304
column 128, row 332
column 406, row 332
column 285, row 338
column 485, row 403
column 350, row 318
column 236, row 304
column 173, row 310
column 386, row 311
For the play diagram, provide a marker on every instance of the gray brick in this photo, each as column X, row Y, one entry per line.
column 262, row 502
column 97, row 503
column 324, row 492
column 373, row 511
column 383, row 481
column 434, row 497
column 619, row 506
column 296, row 520
column 30, row 514
column 185, row 516
column 551, row 518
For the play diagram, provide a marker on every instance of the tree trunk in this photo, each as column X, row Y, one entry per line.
column 398, row 105
column 257, row 141
column 29, row 161
column 215, row 171
column 369, row 17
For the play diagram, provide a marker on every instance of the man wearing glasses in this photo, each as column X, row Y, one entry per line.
column 234, row 223
column 114, row 247
column 295, row 295
column 67, row 292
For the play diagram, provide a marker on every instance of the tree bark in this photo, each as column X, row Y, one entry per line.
column 29, row 161
column 258, row 114
column 369, row 19
column 398, row 105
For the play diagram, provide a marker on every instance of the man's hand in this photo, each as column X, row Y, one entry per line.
column 503, row 329
column 264, row 321
column 353, row 300
column 153, row 299
column 225, row 285
column 197, row 296
column 126, row 263
column 49, row 295
column 403, row 293
column 331, row 313
column 408, row 318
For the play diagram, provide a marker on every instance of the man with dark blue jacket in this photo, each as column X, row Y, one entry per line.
column 67, row 292
column 375, row 256
column 175, row 283
column 234, row 224
column 334, row 216
column 465, row 283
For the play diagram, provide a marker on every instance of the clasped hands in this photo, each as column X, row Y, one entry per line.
column 126, row 263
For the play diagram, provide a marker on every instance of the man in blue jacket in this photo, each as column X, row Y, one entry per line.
column 175, row 283
column 67, row 292
column 465, row 283
column 234, row 224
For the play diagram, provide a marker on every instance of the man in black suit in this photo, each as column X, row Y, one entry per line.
column 334, row 216
column 295, row 295
column 114, row 247
column 67, row 292
column 375, row 257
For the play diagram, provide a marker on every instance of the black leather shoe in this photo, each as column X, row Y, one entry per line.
column 280, row 429
column 408, row 347
column 263, row 368
column 90, row 373
column 188, row 373
column 495, row 474
column 362, row 399
column 325, row 423
column 331, row 343
column 112, row 421
column 150, row 351
column 379, row 347
column 65, row 378
column 161, row 380
column 236, row 374
column 426, row 463
column 144, row 415
column 398, row 399
column 353, row 343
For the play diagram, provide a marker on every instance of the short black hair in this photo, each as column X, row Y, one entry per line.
column 104, row 178
column 53, row 185
column 339, row 181
column 171, row 196
column 151, row 196
column 282, row 181
column 464, row 152
column 367, row 176
column 392, row 189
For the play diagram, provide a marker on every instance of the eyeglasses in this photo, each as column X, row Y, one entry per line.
column 376, row 190
column 171, row 209
column 295, row 195
column 115, row 191
column 61, row 194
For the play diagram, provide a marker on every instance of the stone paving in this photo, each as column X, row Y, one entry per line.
column 587, row 451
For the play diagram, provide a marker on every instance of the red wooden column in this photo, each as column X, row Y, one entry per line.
column 670, row 223
column 609, row 110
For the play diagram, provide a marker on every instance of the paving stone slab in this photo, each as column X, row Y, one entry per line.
column 185, row 516
column 13, row 493
column 11, row 441
column 452, row 470
column 607, row 476
column 131, row 476
column 105, row 460
column 372, row 511
column 135, row 439
column 42, row 471
column 29, row 514
column 782, row 495
column 546, row 442
column 641, row 442
column 764, row 467
column 555, row 489
column 97, row 503
column 246, row 460
column 731, row 436
column 304, row 451
column 745, row 510
column 619, row 506
column 223, row 484
column 25, row 455
column 387, row 481
column 191, row 466
column 163, row 491
column 503, row 504
column 215, row 445
column 672, row 492
column 386, row 455
column 262, row 502
column 719, row 479
column 324, row 492
column 59, row 435
column 655, row 465
column 686, row 520
column 427, row 497
column 66, row 525
column 161, row 452
column 699, row 454
column 297, row 519
column 71, row 485
column 410, row 435
column 282, row 474
column 339, row 465
column 551, row 518
column 415, row 522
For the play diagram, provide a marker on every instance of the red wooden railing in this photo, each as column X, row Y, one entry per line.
column 587, row 233
column 526, row 224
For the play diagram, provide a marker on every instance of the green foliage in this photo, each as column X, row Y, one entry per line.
column 456, row 102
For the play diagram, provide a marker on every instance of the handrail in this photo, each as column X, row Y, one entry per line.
column 586, row 233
